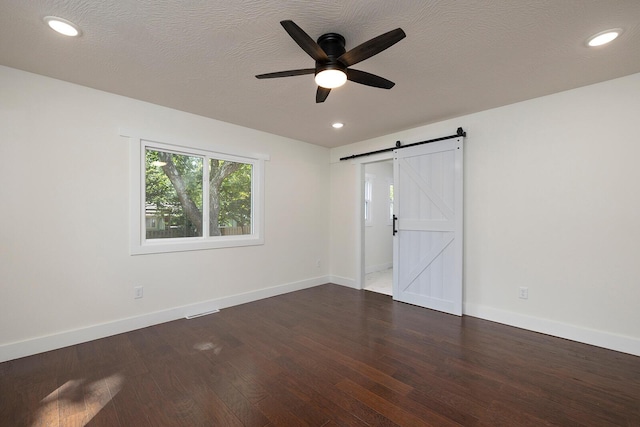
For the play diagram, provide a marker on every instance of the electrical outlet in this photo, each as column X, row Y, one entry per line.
column 523, row 292
column 137, row 292
column 318, row 263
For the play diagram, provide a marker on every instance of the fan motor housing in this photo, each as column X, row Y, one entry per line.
column 333, row 46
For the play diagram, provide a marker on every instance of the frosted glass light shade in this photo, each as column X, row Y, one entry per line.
column 331, row 78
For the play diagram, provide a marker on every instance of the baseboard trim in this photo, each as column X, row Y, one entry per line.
column 76, row 336
column 343, row 281
column 378, row 267
column 608, row 340
column 622, row 343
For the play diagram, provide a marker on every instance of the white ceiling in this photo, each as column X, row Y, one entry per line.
column 201, row 56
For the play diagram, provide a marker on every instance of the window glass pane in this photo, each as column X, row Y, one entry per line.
column 173, row 195
column 390, row 201
column 368, row 190
column 229, row 197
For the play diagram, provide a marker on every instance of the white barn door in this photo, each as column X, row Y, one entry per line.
column 427, row 247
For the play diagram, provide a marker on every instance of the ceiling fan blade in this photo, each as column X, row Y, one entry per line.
column 321, row 94
column 304, row 41
column 368, row 79
column 372, row 47
column 288, row 73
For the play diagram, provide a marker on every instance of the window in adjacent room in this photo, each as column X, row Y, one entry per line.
column 390, row 218
column 368, row 195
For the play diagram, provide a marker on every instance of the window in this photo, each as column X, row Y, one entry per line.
column 188, row 199
column 368, row 193
column 390, row 219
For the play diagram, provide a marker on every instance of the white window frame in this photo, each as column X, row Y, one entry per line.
column 368, row 199
column 140, row 245
column 390, row 210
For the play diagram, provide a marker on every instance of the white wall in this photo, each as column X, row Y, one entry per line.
column 65, row 270
column 551, row 203
column 378, row 238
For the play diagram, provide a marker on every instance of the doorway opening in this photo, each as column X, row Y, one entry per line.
column 377, row 233
column 426, row 224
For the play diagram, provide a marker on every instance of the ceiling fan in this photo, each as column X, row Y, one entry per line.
column 333, row 61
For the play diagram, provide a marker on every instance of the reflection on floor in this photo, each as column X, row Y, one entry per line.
column 379, row 281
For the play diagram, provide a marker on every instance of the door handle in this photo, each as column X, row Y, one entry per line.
column 395, row 218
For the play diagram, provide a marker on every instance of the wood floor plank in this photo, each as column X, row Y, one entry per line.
column 388, row 409
column 500, row 414
column 324, row 356
column 106, row 417
column 365, row 369
column 98, row 401
column 39, row 403
column 278, row 414
column 311, row 370
column 221, row 382
column 130, row 408
column 324, row 395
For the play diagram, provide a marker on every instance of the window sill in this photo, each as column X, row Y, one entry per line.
column 194, row 244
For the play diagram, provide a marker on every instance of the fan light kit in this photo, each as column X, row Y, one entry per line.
column 604, row 37
column 333, row 61
column 331, row 79
column 62, row 26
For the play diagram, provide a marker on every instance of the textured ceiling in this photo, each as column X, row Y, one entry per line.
column 201, row 56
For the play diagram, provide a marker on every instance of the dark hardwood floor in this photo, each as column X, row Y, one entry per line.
column 325, row 356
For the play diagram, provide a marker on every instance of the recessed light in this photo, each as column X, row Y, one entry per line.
column 604, row 37
column 62, row 26
column 337, row 125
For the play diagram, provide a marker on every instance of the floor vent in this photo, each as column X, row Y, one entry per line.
column 193, row 316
